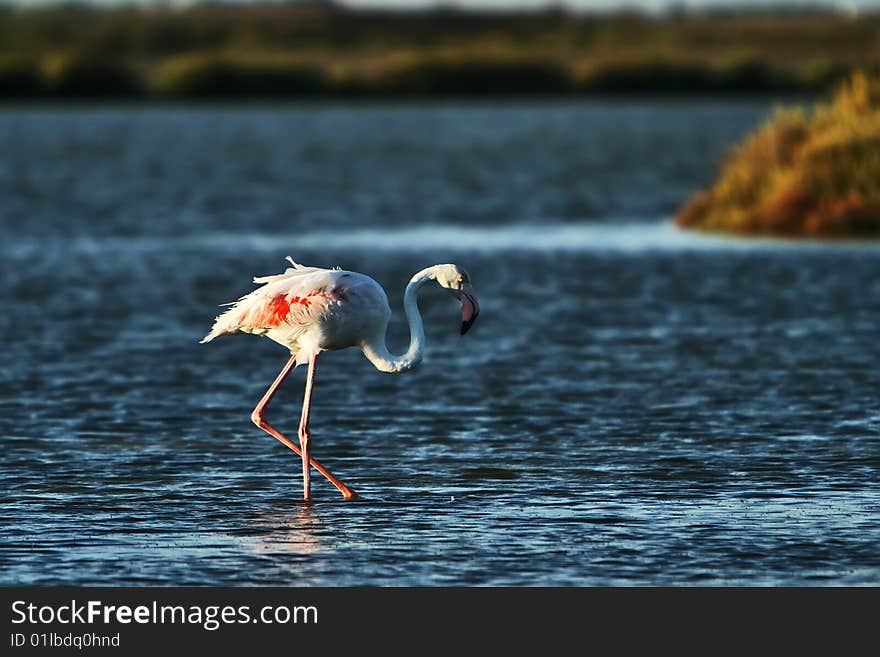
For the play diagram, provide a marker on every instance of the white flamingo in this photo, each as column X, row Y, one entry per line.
column 310, row 310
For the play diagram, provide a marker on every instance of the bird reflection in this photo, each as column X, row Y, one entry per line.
column 297, row 532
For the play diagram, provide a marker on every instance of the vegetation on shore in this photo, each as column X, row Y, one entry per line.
column 213, row 51
column 802, row 173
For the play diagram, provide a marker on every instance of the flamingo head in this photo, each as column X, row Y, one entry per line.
column 456, row 280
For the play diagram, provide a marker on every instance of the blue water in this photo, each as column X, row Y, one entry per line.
column 636, row 404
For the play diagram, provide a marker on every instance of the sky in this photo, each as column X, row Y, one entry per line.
column 650, row 5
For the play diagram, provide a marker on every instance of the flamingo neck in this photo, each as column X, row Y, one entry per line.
column 377, row 352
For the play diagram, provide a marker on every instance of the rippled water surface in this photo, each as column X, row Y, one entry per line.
column 635, row 405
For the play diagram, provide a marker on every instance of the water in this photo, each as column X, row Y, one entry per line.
column 636, row 405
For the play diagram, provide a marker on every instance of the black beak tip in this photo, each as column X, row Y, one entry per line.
column 465, row 326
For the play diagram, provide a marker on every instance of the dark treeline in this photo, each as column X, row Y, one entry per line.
column 296, row 50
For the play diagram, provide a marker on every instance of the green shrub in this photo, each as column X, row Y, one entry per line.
column 19, row 78
column 84, row 76
column 648, row 76
column 474, row 77
column 671, row 76
column 209, row 76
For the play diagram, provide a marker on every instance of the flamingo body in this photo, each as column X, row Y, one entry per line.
column 310, row 310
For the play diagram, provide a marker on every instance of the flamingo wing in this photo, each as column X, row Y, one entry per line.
column 295, row 301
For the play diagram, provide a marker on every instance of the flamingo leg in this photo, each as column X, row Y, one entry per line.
column 304, row 434
column 258, row 419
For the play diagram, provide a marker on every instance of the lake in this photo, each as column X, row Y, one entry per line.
column 635, row 405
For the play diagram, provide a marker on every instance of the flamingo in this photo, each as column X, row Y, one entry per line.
column 311, row 309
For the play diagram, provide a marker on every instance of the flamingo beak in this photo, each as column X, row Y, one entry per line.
column 470, row 307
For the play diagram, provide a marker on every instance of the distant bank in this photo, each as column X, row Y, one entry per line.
column 229, row 52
